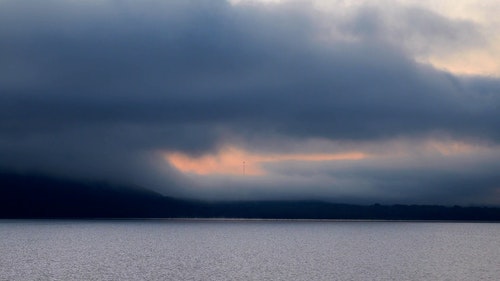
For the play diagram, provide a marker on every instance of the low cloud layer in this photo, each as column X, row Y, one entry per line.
column 104, row 90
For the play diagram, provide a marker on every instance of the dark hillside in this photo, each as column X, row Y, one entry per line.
column 36, row 196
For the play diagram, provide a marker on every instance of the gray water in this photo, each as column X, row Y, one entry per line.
column 248, row 250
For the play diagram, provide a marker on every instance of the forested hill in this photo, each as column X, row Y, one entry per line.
column 34, row 196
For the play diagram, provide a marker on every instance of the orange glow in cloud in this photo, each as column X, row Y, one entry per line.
column 476, row 62
column 234, row 161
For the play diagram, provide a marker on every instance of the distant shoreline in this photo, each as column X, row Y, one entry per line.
column 241, row 220
column 23, row 197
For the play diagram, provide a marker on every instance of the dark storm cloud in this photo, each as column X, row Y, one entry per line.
column 89, row 88
column 211, row 63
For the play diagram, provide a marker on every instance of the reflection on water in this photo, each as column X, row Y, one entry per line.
column 248, row 250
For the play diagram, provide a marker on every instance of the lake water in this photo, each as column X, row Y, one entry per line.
column 248, row 250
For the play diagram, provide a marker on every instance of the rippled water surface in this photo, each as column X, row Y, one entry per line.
column 248, row 250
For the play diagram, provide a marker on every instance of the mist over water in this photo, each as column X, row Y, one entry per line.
column 247, row 250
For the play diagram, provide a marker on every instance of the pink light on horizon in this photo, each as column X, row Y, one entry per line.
column 235, row 161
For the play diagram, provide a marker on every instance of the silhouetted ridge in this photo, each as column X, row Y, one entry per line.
column 41, row 197
column 35, row 196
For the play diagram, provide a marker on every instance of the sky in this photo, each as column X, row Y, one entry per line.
column 344, row 101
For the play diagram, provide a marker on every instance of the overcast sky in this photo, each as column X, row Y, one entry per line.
column 346, row 101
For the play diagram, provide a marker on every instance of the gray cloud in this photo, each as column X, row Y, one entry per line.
column 95, row 89
column 417, row 30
